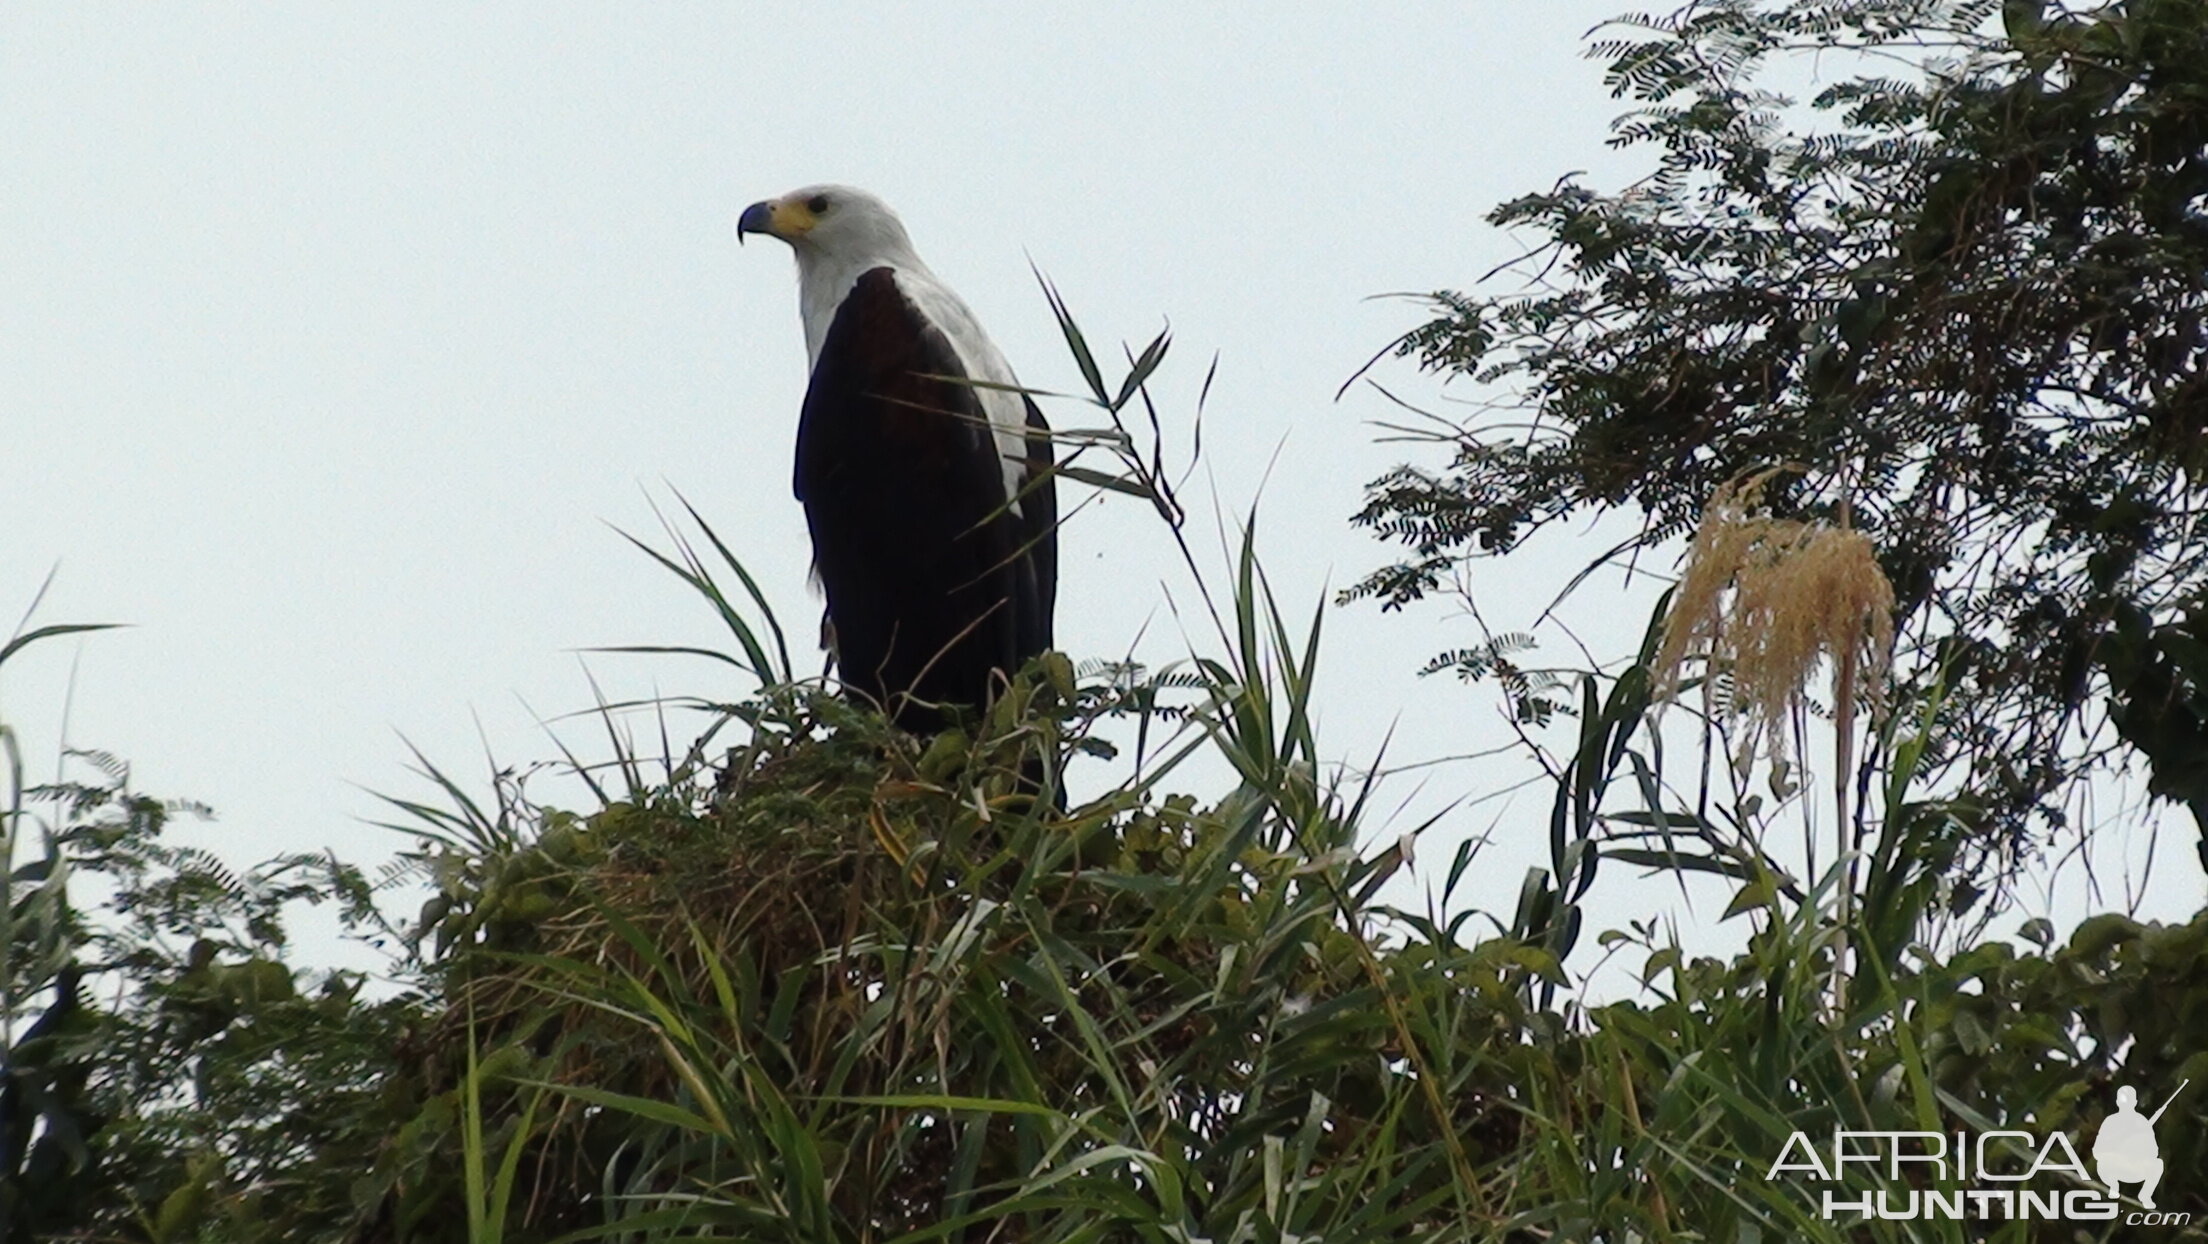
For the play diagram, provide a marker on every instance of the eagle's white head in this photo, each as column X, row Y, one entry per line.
column 838, row 234
column 829, row 224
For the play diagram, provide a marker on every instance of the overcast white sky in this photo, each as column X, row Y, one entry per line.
column 334, row 337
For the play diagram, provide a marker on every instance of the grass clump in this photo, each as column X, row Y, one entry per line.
column 855, row 985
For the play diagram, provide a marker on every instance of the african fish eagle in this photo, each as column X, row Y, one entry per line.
column 930, row 499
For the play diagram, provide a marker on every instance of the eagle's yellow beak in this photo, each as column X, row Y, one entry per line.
column 786, row 219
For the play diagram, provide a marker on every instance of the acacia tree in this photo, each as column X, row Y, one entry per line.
column 1962, row 291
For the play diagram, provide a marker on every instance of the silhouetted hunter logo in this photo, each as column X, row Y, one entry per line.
column 1998, row 1173
column 2125, row 1151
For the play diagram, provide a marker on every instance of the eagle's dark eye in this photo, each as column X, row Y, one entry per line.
column 817, row 204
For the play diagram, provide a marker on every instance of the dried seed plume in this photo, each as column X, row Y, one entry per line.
column 1765, row 599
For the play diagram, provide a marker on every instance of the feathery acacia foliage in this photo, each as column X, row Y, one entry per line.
column 1964, row 289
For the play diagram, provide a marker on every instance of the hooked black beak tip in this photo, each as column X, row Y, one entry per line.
column 756, row 219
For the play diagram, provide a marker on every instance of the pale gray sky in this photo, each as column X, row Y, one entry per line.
column 333, row 337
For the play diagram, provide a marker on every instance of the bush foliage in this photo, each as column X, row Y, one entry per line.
column 837, row 983
column 1958, row 289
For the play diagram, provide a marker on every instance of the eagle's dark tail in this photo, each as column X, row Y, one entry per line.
column 1037, row 777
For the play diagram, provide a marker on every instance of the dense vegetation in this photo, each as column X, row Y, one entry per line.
column 808, row 978
column 1962, row 293
column 840, row 985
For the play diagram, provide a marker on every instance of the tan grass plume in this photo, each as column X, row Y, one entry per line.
column 1766, row 599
